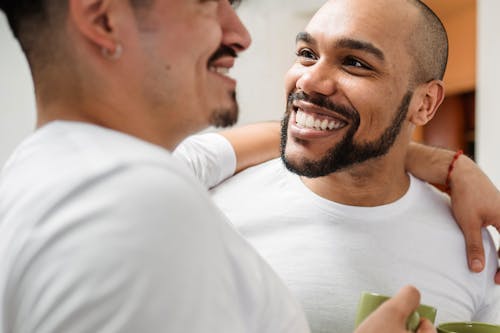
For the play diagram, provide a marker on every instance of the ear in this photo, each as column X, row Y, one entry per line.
column 429, row 97
column 93, row 19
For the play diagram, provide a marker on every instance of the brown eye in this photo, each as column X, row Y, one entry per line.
column 353, row 62
column 306, row 53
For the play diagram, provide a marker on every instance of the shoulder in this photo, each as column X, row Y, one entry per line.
column 273, row 169
column 257, row 179
column 130, row 242
column 132, row 249
column 427, row 197
column 209, row 156
column 426, row 190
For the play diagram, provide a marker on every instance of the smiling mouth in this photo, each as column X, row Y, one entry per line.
column 317, row 122
column 222, row 60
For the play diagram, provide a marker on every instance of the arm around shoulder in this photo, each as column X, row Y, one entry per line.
column 213, row 157
column 474, row 198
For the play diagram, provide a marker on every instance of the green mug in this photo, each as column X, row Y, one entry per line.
column 369, row 302
column 468, row 327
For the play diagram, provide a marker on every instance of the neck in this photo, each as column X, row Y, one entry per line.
column 371, row 183
column 113, row 109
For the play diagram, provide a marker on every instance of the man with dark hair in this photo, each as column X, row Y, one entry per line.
column 348, row 218
column 101, row 230
column 87, row 241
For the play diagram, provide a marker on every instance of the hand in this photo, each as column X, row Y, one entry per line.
column 391, row 316
column 475, row 202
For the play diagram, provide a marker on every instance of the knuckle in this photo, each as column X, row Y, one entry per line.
column 475, row 248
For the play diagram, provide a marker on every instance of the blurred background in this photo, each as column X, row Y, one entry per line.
column 467, row 120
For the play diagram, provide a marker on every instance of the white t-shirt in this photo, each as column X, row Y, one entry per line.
column 329, row 253
column 102, row 232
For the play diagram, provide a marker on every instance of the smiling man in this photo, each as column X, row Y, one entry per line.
column 341, row 215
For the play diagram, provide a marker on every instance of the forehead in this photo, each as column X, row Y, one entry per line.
column 386, row 24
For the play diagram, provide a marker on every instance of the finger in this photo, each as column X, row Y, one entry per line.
column 402, row 304
column 475, row 250
column 426, row 327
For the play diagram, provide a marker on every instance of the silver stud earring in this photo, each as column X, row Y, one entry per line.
column 115, row 55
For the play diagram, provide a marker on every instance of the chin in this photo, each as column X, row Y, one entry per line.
column 224, row 117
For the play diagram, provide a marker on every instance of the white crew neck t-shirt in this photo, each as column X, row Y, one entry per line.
column 328, row 253
column 102, row 232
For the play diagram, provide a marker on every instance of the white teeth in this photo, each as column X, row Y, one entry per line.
column 308, row 121
column 317, row 124
column 324, row 124
column 220, row 70
column 300, row 117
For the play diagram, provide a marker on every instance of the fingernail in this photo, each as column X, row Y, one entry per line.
column 477, row 265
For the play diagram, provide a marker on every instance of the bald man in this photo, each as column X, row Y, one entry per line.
column 341, row 215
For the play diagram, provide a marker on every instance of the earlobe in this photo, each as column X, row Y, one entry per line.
column 431, row 96
column 92, row 19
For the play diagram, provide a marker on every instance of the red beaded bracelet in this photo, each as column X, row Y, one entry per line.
column 450, row 169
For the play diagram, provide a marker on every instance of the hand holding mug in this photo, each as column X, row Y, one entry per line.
column 392, row 315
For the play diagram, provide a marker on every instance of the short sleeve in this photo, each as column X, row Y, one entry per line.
column 209, row 156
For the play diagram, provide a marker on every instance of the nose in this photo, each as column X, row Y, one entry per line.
column 235, row 35
column 317, row 79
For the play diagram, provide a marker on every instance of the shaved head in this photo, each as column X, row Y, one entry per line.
column 428, row 45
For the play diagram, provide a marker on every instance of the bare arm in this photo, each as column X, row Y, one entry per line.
column 475, row 200
column 254, row 144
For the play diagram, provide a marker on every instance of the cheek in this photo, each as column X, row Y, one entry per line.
column 369, row 101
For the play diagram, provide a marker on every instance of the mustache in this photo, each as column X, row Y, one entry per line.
column 325, row 103
column 223, row 50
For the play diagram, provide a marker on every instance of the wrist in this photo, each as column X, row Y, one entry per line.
column 462, row 166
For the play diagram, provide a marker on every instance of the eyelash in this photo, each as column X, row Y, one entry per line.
column 350, row 59
column 302, row 54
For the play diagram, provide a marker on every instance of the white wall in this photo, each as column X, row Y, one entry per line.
column 488, row 89
column 260, row 71
column 17, row 101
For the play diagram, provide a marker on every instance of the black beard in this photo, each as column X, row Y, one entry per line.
column 346, row 153
column 225, row 117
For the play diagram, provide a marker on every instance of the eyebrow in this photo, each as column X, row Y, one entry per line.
column 346, row 43
column 305, row 37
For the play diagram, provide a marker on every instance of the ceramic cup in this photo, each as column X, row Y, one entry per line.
column 369, row 302
column 465, row 327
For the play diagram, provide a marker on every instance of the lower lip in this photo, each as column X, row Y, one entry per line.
column 229, row 81
column 309, row 133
